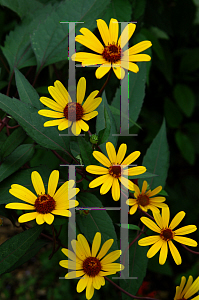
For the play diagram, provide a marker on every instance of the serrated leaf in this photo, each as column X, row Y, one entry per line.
column 14, row 248
column 156, row 159
column 137, row 267
column 21, row 6
column 96, row 221
column 185, row 98
column 14, row 140
column 137, row 83
column 104, row 133
column 86, row 151
column 32, row 123
column 186, row 147
column 17, row 159
column 26, row 92
column 101, row 123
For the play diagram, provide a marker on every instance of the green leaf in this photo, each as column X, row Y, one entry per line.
column 13, row 141
column 172, row 113
column 50, row 38
column 86, row 152
column 186, row 147
column 114, row 11
column 14, row 248
column 144, row 175
column 117, row 112
column 38, row 244
column 28, row 117
column 104, row 133
column 185, row 98
column 27, row 93
column 21, row 7
column 101, row 122
column 17, row 159
column 129, row 226
column 137, row 267
column 156, row 159
column 96, row 221
column 137, row 83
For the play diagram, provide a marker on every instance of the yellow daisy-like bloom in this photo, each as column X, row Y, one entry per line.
column 68, row 113
column 111, row 55
column 166, row 234
column 144, row 201
column 45, row 205
column 87, row 263
column 189, row 290
column 115, row 168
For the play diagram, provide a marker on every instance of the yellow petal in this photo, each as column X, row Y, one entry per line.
column 89, row 40
column 83, row 125
column 40, row 219
column 22, row 193
column 62, row 212
column 149, row 240
column 71, row 265
column 129, row 66
column 82, row 283
column 52, row 182
column 96, row 244
column 110, row 149
column 81, row 90
column 54, row 122
column 114, row 255
column 48, row 218
column 127, row 183
column 96, row 170
column 175, row 253
column 138, row 57
column 65, row 124
column 104, row 31
column 165, row 216
column 163, row 253
column 98, row 181
column 121, row 153
column 126, row 34
column 74, row 274
column 133, row 209
column 131, row 158
column 131, row 201
column 154, row 192
column 50, row 113
column 137, row 191
column 90, row 115
column 91, row 104
column 70, row 255
column 97, row 282
column 37, row 183
column 102, row 70
column 155, row 248
column 106, row 185
column 78, row 249
column 115, row 190
column 135, row 171
column 51, row 104
column 67, row 186
column 27, row 217
column 85, row 245
column 185, row 241
column 194, row 288
column 139, row 47
column 113, row 31
column 177, row 219
column 144, row 186
column 105, row 247
column 119, row 72
column 102, row 158
column 63, row 95
column 150, row 224
column 185, row 230
column 76, row 129
column 89, row 289
column 20, row 206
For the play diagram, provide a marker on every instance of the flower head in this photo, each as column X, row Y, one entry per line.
column 115, row 170
column 87, row 263
column 112, row 54
column 144, row 201
column 166, row 234
column 45, row 205
column 68, row 113
column 189, row 290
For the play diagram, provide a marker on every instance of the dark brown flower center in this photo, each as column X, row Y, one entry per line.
column 91, row 266
column 143, row 200
column 112, row 53
column 44, row 204
column 115, row 171
column 73, row 111
column 166, row 234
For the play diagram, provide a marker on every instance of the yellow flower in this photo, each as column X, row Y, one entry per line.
column 111, row 55
column 143, row 200
column 167, row 234
column 89, row 264
column 114, row 170
column 68, row 113
column 45, row 205
column 189, row 290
